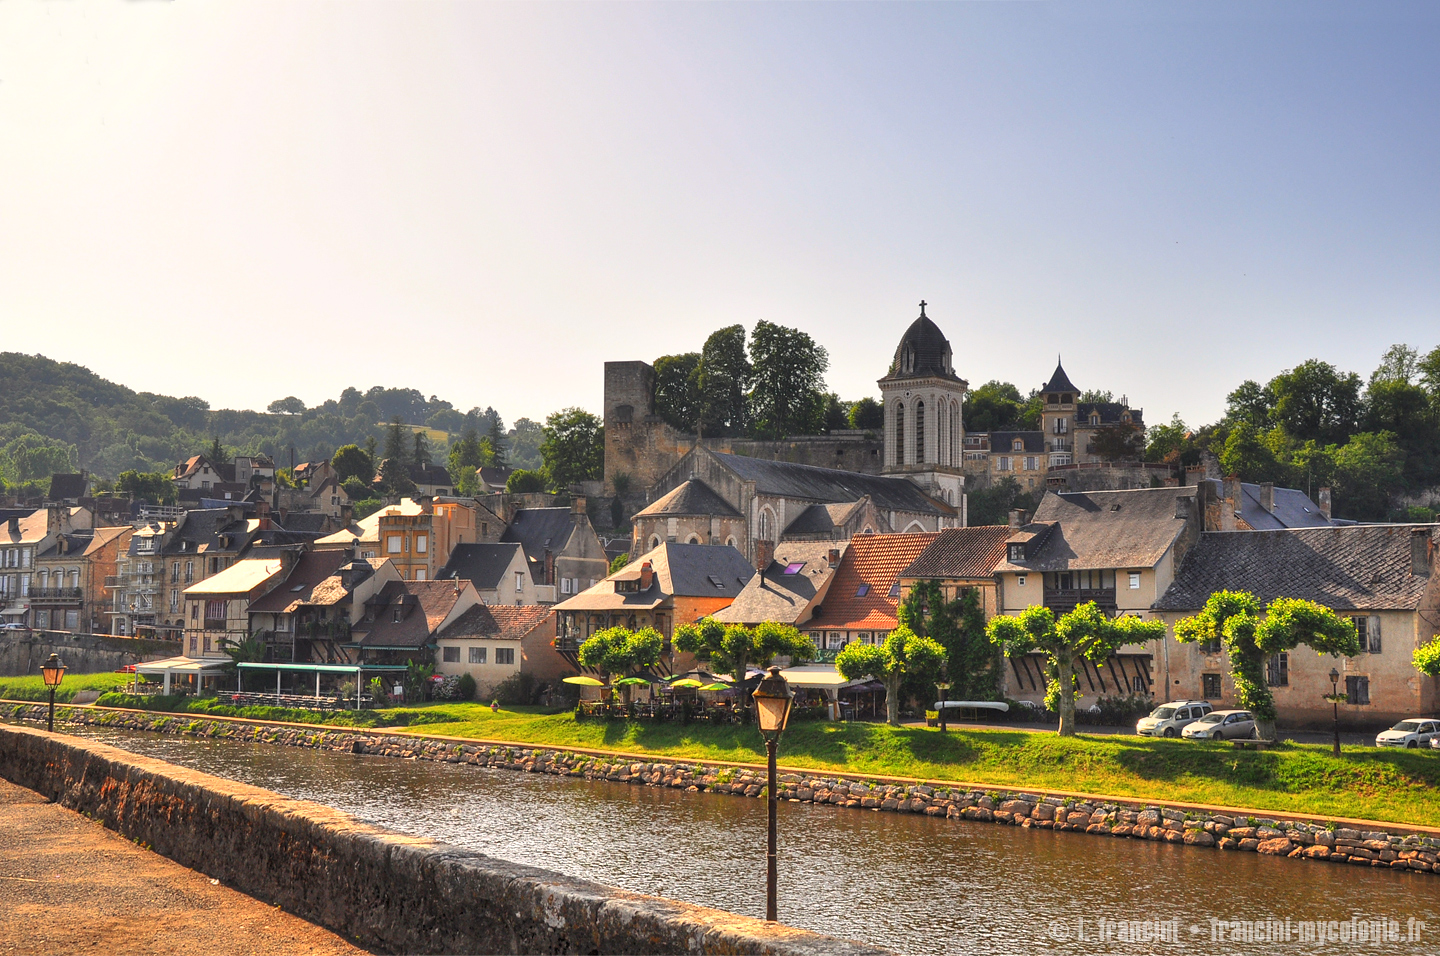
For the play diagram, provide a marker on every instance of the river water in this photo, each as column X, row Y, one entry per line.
column 912, row 883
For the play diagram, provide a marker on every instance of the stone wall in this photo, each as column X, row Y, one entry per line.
column 1412, row 849
column 385, row 890
column 22, row 652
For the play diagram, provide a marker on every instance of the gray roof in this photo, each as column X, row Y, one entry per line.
column 538, row 530
column 1293, row 508
column 1110, row 412
column 788, row 480
column 64, row 486
column 1001, row 443
column 930, row 349
column 308, row 522
column 1105, row 529
column 480, row 564
column 1359, row 567
column 777, row 596
column 822, row 519
column 1059, row 381
column 693, row 497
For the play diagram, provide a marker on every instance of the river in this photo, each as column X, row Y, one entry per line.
column 912, row 883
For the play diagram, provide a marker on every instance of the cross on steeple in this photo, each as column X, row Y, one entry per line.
column 922, row 308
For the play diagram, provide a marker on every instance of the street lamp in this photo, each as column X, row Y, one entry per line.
column 772, row 710
column 52, row 670
column 1335, row 703
column 942, row 686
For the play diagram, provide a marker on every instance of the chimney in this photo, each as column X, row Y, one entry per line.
column 288, row 558
column 1184, row 504
column 1325, row 502
column 834, row 557
column 1420, row 548
column 1267, row 496
column 52, row 518
column 549, row 566
column 1230, row 507
column 347, row 514
column 265, row 524
column 764, row 554
column 647, row 576
column 1017, row 518
column 577, row 508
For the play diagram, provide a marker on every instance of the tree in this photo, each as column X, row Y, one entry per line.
column 523, row 482
column 1234, row 619
column 904, row 654
column 1249, row 403
column 992, row 407
column 1428, row 368
column 1247, row 454
column 395, row 468
column 420, row 457
column 574, row 447
column 677, row 390
column 787, row 382
column 498, row 443
column 992, row 504
column 351, row 461
column 1084, row 634
column 525, row 439
column 618, row 651
column 156, row 487
column 356, row 489
column 973, row 664
column 1313, row 400
column 1122, row 441
column 1096, row 395
column 216, row 453
column 735, row 647
column 1367, row 468
column 1170, row 443
column 1399, row 364
column 466, row 455
column 721, row 381
column 837, row 413
column 1427, row 657
column 867, row 414
column 289, row 405
column 619, row 562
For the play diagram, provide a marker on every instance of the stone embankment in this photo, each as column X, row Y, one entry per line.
column 387, row 891
column 1398, row 849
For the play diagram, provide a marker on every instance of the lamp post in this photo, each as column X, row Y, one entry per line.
column 942, row 686
column 772, row 710
column 52, row 670
column 1335, row 703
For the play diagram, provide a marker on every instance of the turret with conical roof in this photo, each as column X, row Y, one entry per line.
column 1059, row 383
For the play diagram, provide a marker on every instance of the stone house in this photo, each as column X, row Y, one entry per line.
column 493, row 643
column 959, row 560
column 416, row 534
column 499, row 572
column 307, row 616
column 690, row 514
column 1381, row 576
column 59, row 583
column 562, row 551
column 402, row 620
column 23, row 538
column 218, row 608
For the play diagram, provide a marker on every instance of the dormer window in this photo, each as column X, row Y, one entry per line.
column 1094, row 419
column 907, row 360
column 1018, row 445
column 1017, row 552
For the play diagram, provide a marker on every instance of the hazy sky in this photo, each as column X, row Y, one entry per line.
column 486, row 201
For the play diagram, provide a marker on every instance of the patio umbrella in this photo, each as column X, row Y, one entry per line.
column 584, row 681
column 631, row 682
column 716, row 686
column 686, row 682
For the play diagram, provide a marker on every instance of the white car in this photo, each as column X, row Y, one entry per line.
column 1222, row 725
column 1168, row 720
column 1411, row 732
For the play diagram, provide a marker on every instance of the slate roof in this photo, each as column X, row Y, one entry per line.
column 64, row 486
column 482, row 565
column 823, row 519
column 1347, row 567
column 693, row 497
column 312, row 569
column 1110, row 413
column 423, row 607
column 810, row 482
column 498, row 621
column 200, row 532
column 680, row 569
column 1059, row 381
column 930, row 348
column 777, row 596
column 538, row 530
column 1293, row 508
column 307, row 522
column 1003, row 443
column 875, row 561
column 961, row 553
column 1104, row 529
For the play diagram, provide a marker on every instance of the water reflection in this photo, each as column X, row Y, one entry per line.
column 912, row 883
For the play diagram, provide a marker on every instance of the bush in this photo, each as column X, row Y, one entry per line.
column 466, row 687
column 516, row 689
column 1116, row 711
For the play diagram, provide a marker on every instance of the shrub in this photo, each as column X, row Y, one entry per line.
column 465, row 688
column 516, row 689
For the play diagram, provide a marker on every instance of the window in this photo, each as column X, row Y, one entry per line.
column 1017, row 445
column 420, row 574
column 564, row 585
column 505, row 655
column 1004, row 464
column 1357, row 690
column 450, row 655
column 519, row 580
column 422, row 542
column 215, row 614
column 1032, row 463
column 1277, row 670
column 794, row 567
column 895, row 590
column 174, row 600
column 919, row 431
column 900, row 433
column 194, row 610
column 175, row 573
column 42, row 619
column 1134, row 580
column 72, row 620
column 1368, row 630
column 1020, row 580
column 477, row 655
column 393, row 543
column 194, row 644
column 765, row 522
column 862, row 590
column 1211, row 647
column 1017, row 552
column 189, row 571
column 1137, row 684
column 1210, row 686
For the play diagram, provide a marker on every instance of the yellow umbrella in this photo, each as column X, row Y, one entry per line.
column 584, row 681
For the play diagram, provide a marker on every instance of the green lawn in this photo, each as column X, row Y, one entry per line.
column 1401, row 786
column 33, row 686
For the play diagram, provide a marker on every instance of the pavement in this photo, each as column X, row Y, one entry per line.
column 1347, row 738
column 68, row 885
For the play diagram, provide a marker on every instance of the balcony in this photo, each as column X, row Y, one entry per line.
column 56, row 595
column 1067, row 600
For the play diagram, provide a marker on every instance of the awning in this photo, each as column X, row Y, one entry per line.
column 819, row 676
column 996, row 705
column 322, row 668
column 183, row 665
column 15, row 611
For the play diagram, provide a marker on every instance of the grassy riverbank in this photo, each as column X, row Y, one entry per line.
column 1390, row 785
column 33, row 687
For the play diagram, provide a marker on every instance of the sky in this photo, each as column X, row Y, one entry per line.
column 487, row 201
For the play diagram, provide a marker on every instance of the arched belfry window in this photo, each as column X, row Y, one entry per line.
column 919, row 431
column 899, row 433
column 954, row 433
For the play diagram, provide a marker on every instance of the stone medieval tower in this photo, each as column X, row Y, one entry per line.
column 924, row 430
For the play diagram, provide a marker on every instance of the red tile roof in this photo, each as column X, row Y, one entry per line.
column 875, row 562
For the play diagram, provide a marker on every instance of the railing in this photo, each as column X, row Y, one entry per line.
column 56, row 594
column 1071, row 598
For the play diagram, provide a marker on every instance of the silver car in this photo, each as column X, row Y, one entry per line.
column 1222, row 725
column 1411, row 732
column 1168, row 720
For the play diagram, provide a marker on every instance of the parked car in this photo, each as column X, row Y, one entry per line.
column 14, row 626
column 1410, row 732
column 1222, row 725
column 1168, row 720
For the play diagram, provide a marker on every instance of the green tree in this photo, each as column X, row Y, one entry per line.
column 156, row 487
column 1367, row 470
column 1123, row 441
column 992, row 407
column 1246, row 453
column 420, row 456
column 1234, row 619
column 31, row 458
column 351, row 461
column 619, row 562
column 721, row 381
column 837, row 413
column 1427, row 657
column 525, row 439
column 1084, row 634
column 1428, row 368
column 1314, row 400
column 867, row 414
column 395, row 467
column 499, row 444
column 619, row 652
column 1251, row 404
column 787, row 382
column 289, row 405
column 904, row 654
column 356, row 489
column 1096, row 395
column 522, row 482
column 466, row 455
column 992, row 504
column 973, row 663
column 216, row 454
column 1171, row 443
column 574, row 447
column 677, row 390
column 1400, row 364
column 735, row 648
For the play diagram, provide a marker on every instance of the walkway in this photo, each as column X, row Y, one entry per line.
column 68, row 885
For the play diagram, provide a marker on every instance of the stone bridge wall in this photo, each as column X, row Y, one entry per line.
column 385, row 890
column 22, row 652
